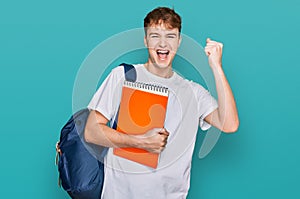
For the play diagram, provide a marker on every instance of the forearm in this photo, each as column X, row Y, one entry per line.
column 97, row 132
column 103, row 135
column 227, row 111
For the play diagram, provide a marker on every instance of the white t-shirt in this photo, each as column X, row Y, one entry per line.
column 188, row 104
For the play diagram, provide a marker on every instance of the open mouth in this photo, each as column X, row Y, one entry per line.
column 162, row 54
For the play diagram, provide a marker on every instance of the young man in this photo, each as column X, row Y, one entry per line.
column 189, row 105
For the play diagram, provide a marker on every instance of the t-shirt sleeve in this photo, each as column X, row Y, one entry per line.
column 107, row 97
column 206, row 105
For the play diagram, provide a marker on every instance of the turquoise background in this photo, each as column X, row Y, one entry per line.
column 43, row 43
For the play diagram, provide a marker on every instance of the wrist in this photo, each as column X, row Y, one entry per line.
column 217, row 69
column 214, row 65
column 136, row 141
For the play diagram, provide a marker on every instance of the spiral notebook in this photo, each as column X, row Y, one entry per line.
column 142, row 107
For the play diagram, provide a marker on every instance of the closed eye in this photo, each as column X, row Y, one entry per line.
column 154, row 35
column 171, row 36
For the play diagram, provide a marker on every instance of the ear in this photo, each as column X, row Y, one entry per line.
column 145, row 41
column 179, row 42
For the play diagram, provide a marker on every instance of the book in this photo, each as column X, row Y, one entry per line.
column 142, row 108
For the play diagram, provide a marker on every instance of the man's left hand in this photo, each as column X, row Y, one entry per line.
column 213, row 50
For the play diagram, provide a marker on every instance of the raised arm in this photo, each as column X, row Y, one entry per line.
column 225, row 117
column 97, row 132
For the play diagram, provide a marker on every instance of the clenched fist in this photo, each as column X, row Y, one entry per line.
column 213, row 50
column 154, row 140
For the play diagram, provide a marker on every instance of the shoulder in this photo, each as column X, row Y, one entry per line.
column 117, row 71
column 190, row 83
column 197, row 88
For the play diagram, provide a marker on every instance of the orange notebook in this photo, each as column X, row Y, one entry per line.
column 142, row 107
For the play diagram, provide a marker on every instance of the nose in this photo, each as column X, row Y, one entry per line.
column 162, row 43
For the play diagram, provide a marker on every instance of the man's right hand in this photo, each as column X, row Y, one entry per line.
column 154, row 140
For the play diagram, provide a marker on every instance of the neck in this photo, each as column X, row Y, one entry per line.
column 159, row 71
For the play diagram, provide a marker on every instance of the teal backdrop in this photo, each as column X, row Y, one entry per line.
column 43, row 43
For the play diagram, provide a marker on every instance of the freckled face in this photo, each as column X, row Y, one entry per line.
column 162, row 44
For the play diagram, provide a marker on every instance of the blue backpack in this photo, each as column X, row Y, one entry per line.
column 80, row 164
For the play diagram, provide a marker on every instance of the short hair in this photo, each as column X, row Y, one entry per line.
column 165, row 16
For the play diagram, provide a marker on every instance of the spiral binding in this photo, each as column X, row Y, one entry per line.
column 147, row 87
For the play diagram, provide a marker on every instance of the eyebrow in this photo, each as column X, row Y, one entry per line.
column 153, row 33
column 171, row 34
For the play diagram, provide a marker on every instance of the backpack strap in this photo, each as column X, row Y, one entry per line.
column 130, row 72
column 130, row 75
